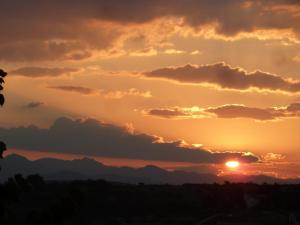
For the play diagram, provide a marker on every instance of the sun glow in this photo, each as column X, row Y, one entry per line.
column 232, row 164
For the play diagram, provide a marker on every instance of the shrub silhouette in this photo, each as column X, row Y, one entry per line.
column 2, row 101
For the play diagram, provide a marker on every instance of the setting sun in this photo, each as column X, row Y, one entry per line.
column 232, row 164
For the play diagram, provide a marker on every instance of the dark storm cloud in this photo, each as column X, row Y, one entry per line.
column 226, row 77
column 91, row 137
column 229, row 111
column 32, row 105
column 77, row 89
column 36, row 72
column 62, row 29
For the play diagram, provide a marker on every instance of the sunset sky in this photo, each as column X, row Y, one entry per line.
column 178, row 83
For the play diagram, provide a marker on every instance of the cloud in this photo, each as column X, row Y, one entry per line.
column 241, row 111
column 294, row 107
column 178, row 113
column 167, row 113
column 76, row 89
column 173, row 51
column 226, row 77
column 144, row 52
column 229, row 111
column 273, row 157
column 271, row 14
column 57, row 42
column 33, row 105
column 42, row 50
column 122, row 94
column 109, row 94
column 36, row 72
column 91, row 137
column 62, row 30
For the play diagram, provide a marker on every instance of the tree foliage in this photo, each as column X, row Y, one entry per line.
column 2, row 101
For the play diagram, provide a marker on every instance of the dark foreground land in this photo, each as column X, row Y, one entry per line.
column 31, row 201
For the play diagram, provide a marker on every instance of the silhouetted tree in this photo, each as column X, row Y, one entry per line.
column 36, row 181
column 2, row 100
column 21, row 182
column 2, row 75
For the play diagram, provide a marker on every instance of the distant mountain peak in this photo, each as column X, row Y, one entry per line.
column 88, row 161
column 14, row 156
column 88, row 168
column 153, row 168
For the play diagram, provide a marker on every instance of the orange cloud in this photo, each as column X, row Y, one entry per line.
column 229, row 111
column 226, row 77
column 273, row 157
column 178, row 113
column 122, row 94
column 36, row 72
column 52, row 30
column 77, row 89
column 33, row 105
column 110, row 94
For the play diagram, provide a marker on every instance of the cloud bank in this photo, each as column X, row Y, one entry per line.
column 35, row 30
column 76, row 89
column 109, row 94
column 226, row 77
column 229, row 111
column 178, row 113
column 91, row 137
column 36, row 72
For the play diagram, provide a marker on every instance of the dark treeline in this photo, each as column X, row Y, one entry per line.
column 33, row 201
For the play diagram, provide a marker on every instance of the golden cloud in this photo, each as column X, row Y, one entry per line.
column 229, row 111
column 225, row 76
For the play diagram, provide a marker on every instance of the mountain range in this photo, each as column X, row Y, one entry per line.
column 86, row 168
